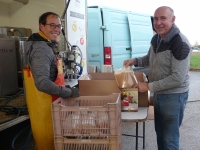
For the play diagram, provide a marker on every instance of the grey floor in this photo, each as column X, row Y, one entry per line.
column 189, row 130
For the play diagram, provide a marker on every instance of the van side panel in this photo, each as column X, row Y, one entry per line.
column 128, row 34
column 117, row 35
column 141, row 33
column 95, row 37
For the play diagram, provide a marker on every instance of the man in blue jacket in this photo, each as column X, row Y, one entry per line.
column 169, row 62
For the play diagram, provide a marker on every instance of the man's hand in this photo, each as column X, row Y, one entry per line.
column 75, row 91
column 142, row 87
column 129, row 62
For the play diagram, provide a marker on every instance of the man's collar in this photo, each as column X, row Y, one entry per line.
column 44, row 36
column 174, row 31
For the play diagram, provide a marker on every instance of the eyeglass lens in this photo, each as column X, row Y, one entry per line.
column 53, row 26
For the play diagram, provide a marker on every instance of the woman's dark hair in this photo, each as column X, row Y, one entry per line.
column 43, row 17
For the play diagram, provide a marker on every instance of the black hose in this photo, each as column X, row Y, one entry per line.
column 22, row 110
column 9, row 110
column 13, row 97
column 18, row 134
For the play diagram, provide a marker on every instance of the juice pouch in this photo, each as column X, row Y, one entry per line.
column 125, row 78
column 129, row 99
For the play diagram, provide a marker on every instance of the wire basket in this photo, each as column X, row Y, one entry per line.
column 87, row 123
column 87, row 116
column 109, row 143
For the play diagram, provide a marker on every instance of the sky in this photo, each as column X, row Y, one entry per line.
column 187, row 12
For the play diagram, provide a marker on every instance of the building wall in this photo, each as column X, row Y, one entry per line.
column 15, row 14
column 4, row 14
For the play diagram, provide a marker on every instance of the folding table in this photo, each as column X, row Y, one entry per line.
column 140, row 116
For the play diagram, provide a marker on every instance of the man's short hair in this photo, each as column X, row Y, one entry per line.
column 43, row 17
column 172, row 11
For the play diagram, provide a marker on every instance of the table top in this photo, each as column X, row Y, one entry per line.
column 71, row 82
column 13, row 122
column 139, row 116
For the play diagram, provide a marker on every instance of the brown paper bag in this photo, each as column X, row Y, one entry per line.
column 125, row 78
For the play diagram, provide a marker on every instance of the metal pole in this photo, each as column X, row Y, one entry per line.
column 66, row 7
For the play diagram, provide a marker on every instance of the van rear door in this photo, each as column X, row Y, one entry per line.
column 141, row 33
column 117, row 35
column 95, row 37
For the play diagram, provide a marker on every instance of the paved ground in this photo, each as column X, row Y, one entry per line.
column 190, row 128
column 194, row 93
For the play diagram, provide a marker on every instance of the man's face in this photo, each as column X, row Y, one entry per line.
column 163, row 21
column 51, row 29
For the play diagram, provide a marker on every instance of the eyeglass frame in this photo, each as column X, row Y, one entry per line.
column 53, row 26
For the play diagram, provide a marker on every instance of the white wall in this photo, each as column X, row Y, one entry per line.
column 16, row 14
column 4, row 14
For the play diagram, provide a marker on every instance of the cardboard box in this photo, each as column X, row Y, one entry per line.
column 98, row 84
column 107, row 68
column 129, row 99
column 92, row 68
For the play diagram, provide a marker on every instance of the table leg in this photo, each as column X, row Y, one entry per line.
column 136, row 144
column 143, row 135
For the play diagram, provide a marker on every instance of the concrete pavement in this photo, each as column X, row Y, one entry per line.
column 194, row 92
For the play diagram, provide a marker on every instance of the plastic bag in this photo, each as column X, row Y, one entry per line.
column 125, row 77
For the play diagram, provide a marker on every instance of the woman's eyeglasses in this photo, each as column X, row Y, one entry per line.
column 53, row 26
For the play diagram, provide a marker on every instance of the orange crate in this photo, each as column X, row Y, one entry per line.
column 87, row 116
column 109, row 143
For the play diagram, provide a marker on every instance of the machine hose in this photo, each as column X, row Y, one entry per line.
column 81, row 69
column 14, row 30
column 27, row 139
column 13, row 97
column 22, row 110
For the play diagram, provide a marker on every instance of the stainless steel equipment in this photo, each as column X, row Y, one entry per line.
column 20, row 55
column 61, row 41
column 15, row 31
column 8, row 67
column 72, row 68
column 20, row 52
column 3, row 32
